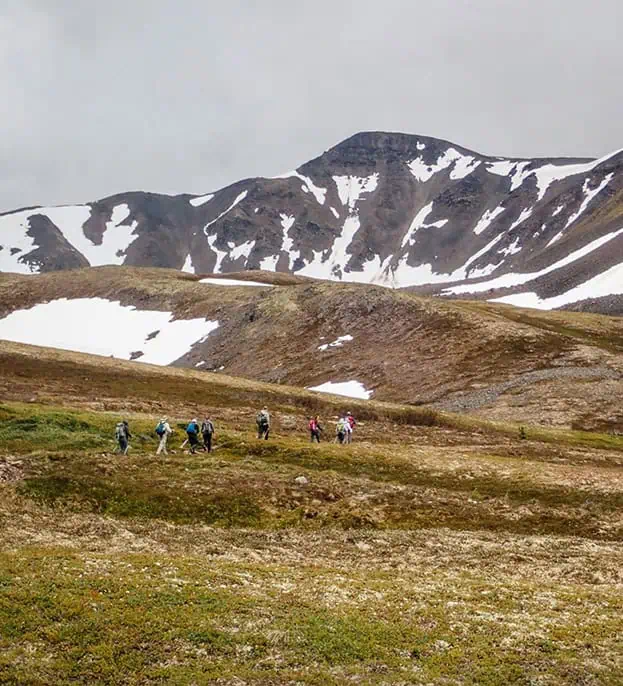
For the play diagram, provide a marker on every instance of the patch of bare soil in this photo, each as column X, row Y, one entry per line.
column 10, row 469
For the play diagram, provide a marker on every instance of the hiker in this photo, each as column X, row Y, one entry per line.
column 263, row 423
column 314, row 428
column 350, row 428
column 207, row 430
column 192, row 431
column 163, row 431
column 340, row 429
column 123, row 436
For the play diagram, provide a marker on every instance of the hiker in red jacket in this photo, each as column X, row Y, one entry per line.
column 315, row 428
column 352, row 423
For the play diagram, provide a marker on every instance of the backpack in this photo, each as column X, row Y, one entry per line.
column 120, row 431
column 191, row 428
column 262, row 418
column 160, row 429
column 207, row 427
column 312, row 425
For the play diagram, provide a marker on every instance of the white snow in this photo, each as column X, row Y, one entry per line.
column 13, row 228
column 287, row 222
column 520, row 175
column 243, row 250
column 200, row 364
column 308, row 185
column 350, row 389
column 105, row 327
column 419, row 223
column 558, row 210
column 588, row 197
column 117, row 237
column 201, row 200
column 188, row 265
column 485, row 221
column 420, row 146
column 525, row 214
column 609, row 282
column 549, row 173
column 351, row 188
column 424, row 172
column 512, row 249
column 234, row 282
column 336, row 214
column 515, row 279
column 238, row 200
column 220, row 254
column 464, row 167
column 502, row 168
column 337, row 343
column 269, row 264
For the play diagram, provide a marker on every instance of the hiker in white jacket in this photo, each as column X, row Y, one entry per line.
column 164, row 431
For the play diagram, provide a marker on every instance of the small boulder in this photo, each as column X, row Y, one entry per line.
column 301, row 480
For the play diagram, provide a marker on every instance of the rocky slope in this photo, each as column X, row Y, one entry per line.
column 390, row 209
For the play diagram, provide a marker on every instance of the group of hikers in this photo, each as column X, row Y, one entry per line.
column 194, row 431
column 343, row 429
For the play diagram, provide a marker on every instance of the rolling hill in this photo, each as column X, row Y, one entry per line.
column 366, row 341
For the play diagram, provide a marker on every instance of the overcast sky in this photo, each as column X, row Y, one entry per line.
column 102, row 96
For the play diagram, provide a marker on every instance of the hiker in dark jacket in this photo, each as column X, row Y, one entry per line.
column 263, row 423
column 207, row 429
column 192, row 431
column 123, row 436
column 314, row 428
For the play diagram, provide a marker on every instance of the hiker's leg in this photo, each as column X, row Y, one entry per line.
column 209, row 442
column 266, row 434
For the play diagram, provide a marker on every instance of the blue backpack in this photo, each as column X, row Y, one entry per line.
column 192, row 428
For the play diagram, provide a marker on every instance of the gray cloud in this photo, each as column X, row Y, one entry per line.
column 187, row 96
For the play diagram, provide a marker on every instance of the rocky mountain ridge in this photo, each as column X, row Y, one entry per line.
column 390, row 209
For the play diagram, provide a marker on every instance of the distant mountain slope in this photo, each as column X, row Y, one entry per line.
column 391, row 209
column 465, row 356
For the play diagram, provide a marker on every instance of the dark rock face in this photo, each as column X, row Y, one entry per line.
column 394, row 209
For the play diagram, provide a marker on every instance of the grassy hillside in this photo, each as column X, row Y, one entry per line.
column 472, row 357
column 436, row 549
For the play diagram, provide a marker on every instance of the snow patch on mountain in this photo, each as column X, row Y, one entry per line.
column 423, row 172
column 233, row 282
column 487, row 218
column 16, row 242
column 464, row 166
column 588, row 197
column 220, row 254
column 351, row 188
column 242, row 250
column 337, row 343
column 515, row 279
column 201, row 200
column 308, row 185
column 238, row 200
column 117, row 237
column 525, row 214
column 609, row 282
column 188, row 265
column 287, row 222
column 350, row 389
column 419, row 223
column 105, row 327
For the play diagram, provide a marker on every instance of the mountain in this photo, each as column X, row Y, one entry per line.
column 383, row 208
column 356, row 339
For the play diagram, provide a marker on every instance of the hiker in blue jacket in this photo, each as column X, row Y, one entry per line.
column 192, row 431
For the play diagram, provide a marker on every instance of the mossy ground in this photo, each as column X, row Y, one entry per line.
column 435, row 549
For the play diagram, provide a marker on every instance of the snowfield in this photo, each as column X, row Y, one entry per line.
column 337, row 343
column 234, row 282
column 350, row 389
column 105, row 327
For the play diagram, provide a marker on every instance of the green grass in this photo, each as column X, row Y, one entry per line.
column 71, row 617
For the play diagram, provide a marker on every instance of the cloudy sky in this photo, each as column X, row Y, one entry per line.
column 99, row 97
